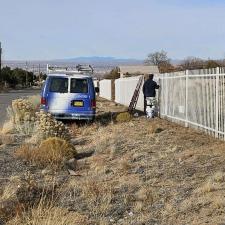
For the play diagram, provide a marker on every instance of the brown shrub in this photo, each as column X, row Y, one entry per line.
column 123, row 117
column 52, row 152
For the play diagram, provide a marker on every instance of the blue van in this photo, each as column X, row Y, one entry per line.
column 69, row 95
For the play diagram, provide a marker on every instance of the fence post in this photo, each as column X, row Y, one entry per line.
column 186, row 98
column 166, row 100
column 159, row 97
column 217, row 102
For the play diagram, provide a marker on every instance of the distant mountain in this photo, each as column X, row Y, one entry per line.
column 100, row 60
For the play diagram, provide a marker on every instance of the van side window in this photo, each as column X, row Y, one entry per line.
column 59, row 84
column 79, row 85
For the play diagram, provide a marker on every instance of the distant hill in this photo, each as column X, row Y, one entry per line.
column 100, row 60
column 101, row 65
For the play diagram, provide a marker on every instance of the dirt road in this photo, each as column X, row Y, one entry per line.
column 6, row 99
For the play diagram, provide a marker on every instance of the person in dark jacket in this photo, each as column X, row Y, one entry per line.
column 149, row 91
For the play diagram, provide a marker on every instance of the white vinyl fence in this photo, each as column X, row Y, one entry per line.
column 105, row 87
column 196, row 99
column 96, row 83
column 124, row 90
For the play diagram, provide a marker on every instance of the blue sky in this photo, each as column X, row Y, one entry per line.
column 53, row 29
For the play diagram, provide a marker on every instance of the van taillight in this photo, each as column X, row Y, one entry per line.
column 93, row 104
column 43, row 101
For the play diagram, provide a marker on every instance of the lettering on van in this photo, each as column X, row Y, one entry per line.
column 81, row 96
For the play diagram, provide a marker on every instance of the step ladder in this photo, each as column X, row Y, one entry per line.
column 135, row 97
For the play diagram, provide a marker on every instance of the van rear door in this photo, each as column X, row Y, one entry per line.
column 80, row 99
column 57, row 98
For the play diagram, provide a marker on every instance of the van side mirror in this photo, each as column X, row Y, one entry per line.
column 97, row 89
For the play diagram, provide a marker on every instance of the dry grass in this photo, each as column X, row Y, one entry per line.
column 26, row 128
column 207, row 187
column 51, row 215
column 219, row 202
column 8, row 128
column 219, row 177
column 98, row 195
column 10, row 190
column 53, row 152
column 7, row 139
column 140, row 174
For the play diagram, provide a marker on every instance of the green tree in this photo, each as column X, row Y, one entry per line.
column 16, row 76
column 8, row 77
column 20, row 76
column 43, row 76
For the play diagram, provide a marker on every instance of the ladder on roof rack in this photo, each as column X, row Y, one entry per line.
column 135, row 97
column 85, row 68
column 70, row 69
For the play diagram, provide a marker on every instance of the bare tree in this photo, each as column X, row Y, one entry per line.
column 161, row 60
column 157, row 58
column 191, row 63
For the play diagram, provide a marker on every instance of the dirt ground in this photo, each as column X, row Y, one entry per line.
column 136, row 172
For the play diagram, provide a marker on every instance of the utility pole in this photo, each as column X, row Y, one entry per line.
column 26, row 75
column 39, row 72
column 0, row 61
column 33, row 74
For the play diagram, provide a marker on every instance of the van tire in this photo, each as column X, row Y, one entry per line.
column 92, row 119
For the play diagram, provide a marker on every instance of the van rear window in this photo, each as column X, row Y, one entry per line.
column 59, row 84
column 79, row 85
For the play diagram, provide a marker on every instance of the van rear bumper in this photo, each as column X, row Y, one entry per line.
column 62, row 115
column 73, row 116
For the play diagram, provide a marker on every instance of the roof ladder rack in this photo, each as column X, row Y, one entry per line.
column 70, row 69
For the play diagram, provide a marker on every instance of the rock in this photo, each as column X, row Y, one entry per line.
column 73, row 173
column 136, row 114
column 47, row 172
column 83, row 155
column 140, row 170
column 130, row 213
column 78, row 141
column 71, row 164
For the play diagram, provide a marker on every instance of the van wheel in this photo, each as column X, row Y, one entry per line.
column 92, row 120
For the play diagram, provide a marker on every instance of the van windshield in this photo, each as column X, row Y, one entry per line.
column 79, row 85
column 59, row 84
